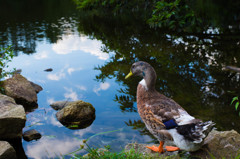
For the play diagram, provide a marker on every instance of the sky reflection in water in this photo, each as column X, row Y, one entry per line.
column 72, row 59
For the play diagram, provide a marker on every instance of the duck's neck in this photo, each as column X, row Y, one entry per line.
column 149, row 79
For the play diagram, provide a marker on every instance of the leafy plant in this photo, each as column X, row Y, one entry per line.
column 6, row 56
column 236, row 101
column 174, row 15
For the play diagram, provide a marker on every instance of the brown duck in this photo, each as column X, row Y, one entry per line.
column 163, row 117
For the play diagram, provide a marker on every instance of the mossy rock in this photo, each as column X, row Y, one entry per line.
column 220, row 144
column 77, row 115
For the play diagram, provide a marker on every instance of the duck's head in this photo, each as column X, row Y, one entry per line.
column 144, row 70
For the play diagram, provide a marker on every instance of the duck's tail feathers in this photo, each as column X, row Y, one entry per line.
column 196, row 132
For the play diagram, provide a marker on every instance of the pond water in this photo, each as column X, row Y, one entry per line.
column 90, row 55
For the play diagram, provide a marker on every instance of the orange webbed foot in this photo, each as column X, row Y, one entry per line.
column 157, row 149
column 160, row 148
column 172, row 148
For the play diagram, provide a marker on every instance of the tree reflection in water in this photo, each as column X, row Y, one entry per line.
column 189, row 66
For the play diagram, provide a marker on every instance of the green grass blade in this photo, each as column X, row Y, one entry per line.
column 104, row 133
column 234, row 99
column 236, row 105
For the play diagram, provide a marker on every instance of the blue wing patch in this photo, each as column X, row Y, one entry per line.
column 170, row 124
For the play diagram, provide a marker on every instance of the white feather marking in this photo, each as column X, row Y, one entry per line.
column 143, row 83
column 183, row 118
column 203, row 130
column 183, row 144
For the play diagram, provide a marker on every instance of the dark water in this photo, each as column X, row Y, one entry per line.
column 90, row 53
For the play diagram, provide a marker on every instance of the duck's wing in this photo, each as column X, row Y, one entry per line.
column 166, row 109
column 172, row 115
column 156, row 110
column 154, row 123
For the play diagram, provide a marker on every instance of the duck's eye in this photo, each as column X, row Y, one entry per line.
column 133, row 66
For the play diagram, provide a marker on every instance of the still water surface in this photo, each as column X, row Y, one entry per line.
column 90, row 57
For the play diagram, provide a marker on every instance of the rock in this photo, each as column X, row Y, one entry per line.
column 36, row 87
column 18, row 147
column 141, row 148
column 77, row 115
column 60, row 104
column 220, row 144
column 31, row 135
column 48, row 70
column 12, row 118
column 7, row 151
column 19, row 88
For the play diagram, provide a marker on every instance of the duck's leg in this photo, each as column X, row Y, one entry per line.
column 157, row 149
column 160, row 148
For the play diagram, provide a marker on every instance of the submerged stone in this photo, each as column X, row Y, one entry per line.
column 31, row 135
column 77, row 115
column 12, row 118
column 48, row 70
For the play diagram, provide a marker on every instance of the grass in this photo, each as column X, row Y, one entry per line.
column 106, row 154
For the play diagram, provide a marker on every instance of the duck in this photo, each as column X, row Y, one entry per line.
column 165, row 119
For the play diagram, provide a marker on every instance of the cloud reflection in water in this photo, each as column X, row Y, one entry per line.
column 102, row 86
column 52, row 148
column 70, row 43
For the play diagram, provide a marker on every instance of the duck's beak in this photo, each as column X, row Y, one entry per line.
column 129, row 74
